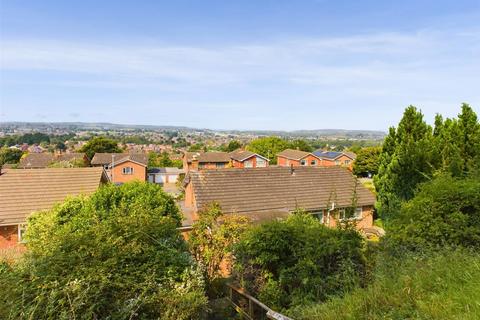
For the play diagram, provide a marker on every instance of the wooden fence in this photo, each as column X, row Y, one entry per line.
column 251, row 308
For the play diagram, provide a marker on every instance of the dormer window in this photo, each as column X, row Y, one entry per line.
column 127, row 170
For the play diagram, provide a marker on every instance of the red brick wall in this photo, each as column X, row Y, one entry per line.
column 8, row 236
column 284, row 162
column 139, row 172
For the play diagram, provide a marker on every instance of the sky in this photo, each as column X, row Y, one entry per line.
column 238, row 64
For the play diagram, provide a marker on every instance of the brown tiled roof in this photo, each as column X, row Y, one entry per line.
column 43, row 160
column 276, row 189
column 23, row 191
column 204, row 157
column 293, row 154
column 106, row 158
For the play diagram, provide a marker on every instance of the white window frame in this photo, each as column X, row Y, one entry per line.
column 347, row 162
column 318, row 215
column 337, row 162
column 303, row 162
column 127, row 172
column 20, row 232
column 357, row 215
column 313, row 162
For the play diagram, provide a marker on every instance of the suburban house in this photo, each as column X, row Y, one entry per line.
column 44, row 160
column 331, row 194
column 217, row 160
column 292, row 157
column 122, row 167
column 247, row 159
column 23, row 191
column 164, row 175
column 332, row 158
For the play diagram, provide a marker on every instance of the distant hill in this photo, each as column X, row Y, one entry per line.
column 75, row 126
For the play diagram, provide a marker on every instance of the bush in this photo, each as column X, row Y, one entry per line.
column 114, row 255
column 444, row 212
column 440, row 285
column 292, row 262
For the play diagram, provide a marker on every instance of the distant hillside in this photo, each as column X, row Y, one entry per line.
column 74, row 126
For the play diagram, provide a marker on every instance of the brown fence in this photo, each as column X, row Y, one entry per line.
column 250, row 307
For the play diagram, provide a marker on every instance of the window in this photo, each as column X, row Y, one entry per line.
column 344, row 214
column 21, row 232
column 318, row 215
column 220, row 165
column 313, row 162
column 303, row 162
column 248, row 164
column 261, row 163
column 127, row 170
column 337, row 162
column 347, row 162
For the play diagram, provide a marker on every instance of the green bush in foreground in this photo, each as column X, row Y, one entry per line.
column 104, row 257
column 291, row 262
column 442, row 285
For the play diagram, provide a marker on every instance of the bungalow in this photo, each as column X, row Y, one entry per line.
column 44, row 160
column 217, row 160
column 122, row 167
column 23, row 191
column 332, row 158
column 291, row 157
column 331, row 194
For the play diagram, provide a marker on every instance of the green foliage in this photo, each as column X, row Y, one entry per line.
column 163, row 160
column 445, row 212
column 299, row 260
column 440, row 285
column 8, row 155
column 213, row 236
column 268, row 147
column 300, row 144
column 367, row 161
column 406, row 161
column 100, row 144
column 74, row 163
column 115, row 255
column 197, row 147
column 232, row 146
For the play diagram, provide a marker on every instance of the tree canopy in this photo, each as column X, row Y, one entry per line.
column 100, row 144
column 268, row 147
column 11, row 156
column 114, row 255
column 367, row 161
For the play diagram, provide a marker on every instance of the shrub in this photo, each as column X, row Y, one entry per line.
column 109, row 256
column 444, row 212
column 291, row 262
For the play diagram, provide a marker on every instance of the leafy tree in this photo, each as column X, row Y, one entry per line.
column 367, row 161
column 8, row 155
column 299, row 260
column 268, row 147
column 405, row 161
column 469, row 138
column 74, row 163
column 163, row 160
column 232, row 146
column 213, row 236
column 300, row 144
column 100, row 144
column 445, row 212
column 197, row 147
column 109, row 256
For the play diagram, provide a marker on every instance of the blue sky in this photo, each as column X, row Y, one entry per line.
column 259, row 64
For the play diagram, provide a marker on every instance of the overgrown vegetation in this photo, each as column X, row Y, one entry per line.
column 100, row 144
column 299, row 260
column 114, row 255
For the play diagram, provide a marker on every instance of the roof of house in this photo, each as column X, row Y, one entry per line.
column 23, row 191
column 293, row 154
column 241, row 155
column 332, row 155
column 166, row 170
column 278, row 189
column 204, row 157
column 43, row 160
column 101, row 158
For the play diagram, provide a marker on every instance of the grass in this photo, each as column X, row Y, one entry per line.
column 443, row 285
